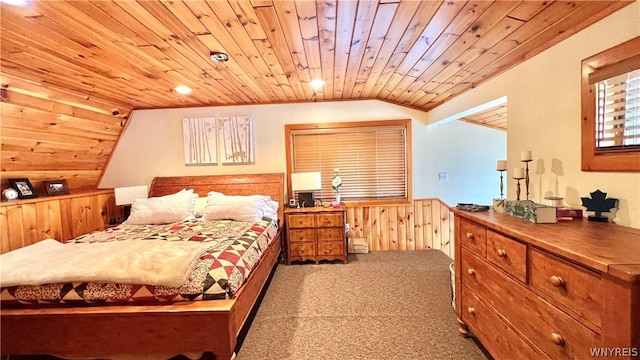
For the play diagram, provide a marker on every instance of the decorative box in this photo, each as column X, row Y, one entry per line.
column 358, row 245
column 530, row 211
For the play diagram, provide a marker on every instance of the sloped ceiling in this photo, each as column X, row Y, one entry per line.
column 132, row 54
column 72, row 71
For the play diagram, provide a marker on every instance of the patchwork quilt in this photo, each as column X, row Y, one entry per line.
column 218, row 274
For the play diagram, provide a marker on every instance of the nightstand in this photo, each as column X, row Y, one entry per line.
column 315, row 233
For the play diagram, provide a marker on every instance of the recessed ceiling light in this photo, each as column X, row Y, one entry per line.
column 219, row 56
column 184, row 90
column 22, row 3
column 316, row 83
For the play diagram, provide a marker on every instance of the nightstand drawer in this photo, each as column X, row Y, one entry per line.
column 299, row 235
column 331, row 248
column 330, row 220
column 303, row 251
column 473, row 237
column 577, row 288
column 508, row 254
column 301, row 221
column 330, row 234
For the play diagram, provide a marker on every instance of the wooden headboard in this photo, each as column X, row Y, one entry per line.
column 244, row 184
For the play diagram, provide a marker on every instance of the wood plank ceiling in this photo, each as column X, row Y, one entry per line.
column 126, row 54
column 494, row 117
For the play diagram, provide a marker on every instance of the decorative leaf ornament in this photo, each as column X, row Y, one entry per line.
column 598, row 203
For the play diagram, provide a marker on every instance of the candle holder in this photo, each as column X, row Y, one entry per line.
column 526, row 176
column 501, row 184
column 518, row 188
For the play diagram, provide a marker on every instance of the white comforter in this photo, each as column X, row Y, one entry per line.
column 151, row 262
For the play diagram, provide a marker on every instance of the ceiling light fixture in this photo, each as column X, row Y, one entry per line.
column 219, row 56
column 182, row 89
column 316, row 83
column 21, row 3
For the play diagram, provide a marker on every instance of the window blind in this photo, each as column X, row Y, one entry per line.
column 372, row 161
column 618, row 111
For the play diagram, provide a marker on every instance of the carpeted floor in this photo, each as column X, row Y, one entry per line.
column 382, row 305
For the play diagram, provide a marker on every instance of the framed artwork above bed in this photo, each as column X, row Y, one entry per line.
column 199, row 136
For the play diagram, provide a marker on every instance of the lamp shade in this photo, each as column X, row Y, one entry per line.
column 306, row 181
column 126, row 195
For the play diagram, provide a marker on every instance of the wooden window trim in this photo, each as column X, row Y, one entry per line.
column 406, row 122
column 615, row 160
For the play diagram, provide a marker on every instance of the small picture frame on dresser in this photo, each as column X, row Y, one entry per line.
column 24, row 188
column 56, row 187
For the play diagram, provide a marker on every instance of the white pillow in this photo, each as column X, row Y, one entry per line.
column 239, row 208
column 163, row 209
column 271, row 210
column 198, row 209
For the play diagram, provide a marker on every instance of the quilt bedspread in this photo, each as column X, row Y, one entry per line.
column 218, row 274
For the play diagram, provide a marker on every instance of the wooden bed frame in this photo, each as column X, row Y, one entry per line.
column 171, row 329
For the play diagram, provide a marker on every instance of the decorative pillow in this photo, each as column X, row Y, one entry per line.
column 198, row 209
column 271, row 210
column 239, row 208
column 163, row 209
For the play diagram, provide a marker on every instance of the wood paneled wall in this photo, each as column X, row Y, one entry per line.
column 425, row 224
column 25, row 222
column 52, row 134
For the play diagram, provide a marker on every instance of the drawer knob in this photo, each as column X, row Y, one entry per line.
column 470, row 235
column 471, row 271
column 471, row 310
column 502, row 253
column 557, row 281
column 557, row 339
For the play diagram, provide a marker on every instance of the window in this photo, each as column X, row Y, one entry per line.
column 373, row 158
column 611, row 109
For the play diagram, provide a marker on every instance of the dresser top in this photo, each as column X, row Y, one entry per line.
column 605, row 247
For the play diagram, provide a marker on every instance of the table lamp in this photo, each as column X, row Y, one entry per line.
column 304, row 184
column 126, row 195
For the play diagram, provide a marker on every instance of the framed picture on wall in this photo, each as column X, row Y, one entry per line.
column 236, row 140
column 24, row 188
column 56, row 187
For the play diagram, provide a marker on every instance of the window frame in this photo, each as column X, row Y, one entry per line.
column 593, row 159
column 356, row 124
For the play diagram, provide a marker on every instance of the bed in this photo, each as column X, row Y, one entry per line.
column 168, row 328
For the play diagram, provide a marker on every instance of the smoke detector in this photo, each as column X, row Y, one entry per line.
column 219, row 57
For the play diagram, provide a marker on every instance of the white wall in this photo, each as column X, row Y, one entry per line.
column 151, row 145
column 467, row 153
column 544, row 116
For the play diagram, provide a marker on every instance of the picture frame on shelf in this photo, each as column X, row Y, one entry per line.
column 56, row 187
column 24, row 188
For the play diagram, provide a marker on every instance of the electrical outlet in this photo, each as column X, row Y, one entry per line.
column 443, row 176
column 347, row 227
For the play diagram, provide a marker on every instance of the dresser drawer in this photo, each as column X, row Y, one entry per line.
column 302, row 251
column 473, row 237
column 330, row 220
column 296, row 235
column 556, row 333
column 330, row 234
column 575, row 287
column 508, row 254
column 501, row 340
column 330, row 248
column 301, row 221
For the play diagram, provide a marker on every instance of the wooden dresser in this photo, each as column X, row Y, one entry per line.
column 316, row 234
column 548, row 291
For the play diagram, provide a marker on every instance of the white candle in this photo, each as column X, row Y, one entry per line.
column 518, row 173
column 525, row 155
column 502, row 165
